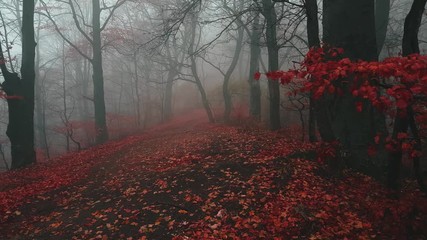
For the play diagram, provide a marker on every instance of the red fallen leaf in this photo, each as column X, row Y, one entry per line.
column 328, row 197
column 56, row 224
column 183, row 211
column 187, row 198
column 358, row 224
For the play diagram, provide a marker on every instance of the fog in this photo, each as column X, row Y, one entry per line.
column 151, row 50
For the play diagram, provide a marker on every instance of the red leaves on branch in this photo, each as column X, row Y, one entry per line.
column 391, row 86
column 324, row 71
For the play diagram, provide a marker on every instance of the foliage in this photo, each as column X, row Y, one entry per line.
column 391, row 85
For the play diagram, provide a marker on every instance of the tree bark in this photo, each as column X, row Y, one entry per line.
column 227, row 76
column 351, row 25
column 137, row 91
column 273, row 62
column 39, row 101
column 191, row 52
column 98, row 77
column 167, row 109
column 254, row 85
column 172, row 72
column 311, row 9
column 402, row 120
column 382, row 11
column 412, row 25
column 20, row 129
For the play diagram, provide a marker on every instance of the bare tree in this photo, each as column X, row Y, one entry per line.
column 192, row 27
column 93, row 37
column 270, row 15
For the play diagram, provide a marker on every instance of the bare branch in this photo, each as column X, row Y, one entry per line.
column 76, row 21
column 289, row 2
column 47, row 14
column 213, row 65
column 117, row 5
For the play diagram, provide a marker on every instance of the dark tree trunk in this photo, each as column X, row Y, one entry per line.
column 254, row 86
column 351, row 25
column 412, row 25
column 418, row 147
column 20, row 129
column 402, row 120
column 98, row 77
column 273, row 62
column 137, row 91
column 227, row 76
column 85, row 87
column 64, row 113
column 382, row 11
column 312, row 23
column 167, row 109
column 313, row 41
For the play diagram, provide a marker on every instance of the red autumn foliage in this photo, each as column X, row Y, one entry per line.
column 390, row 85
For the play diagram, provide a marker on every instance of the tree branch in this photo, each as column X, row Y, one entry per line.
column 47, row 14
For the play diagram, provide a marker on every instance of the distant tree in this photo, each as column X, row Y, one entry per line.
column 93, row 36
column 192, row 46
column 231, row 8
column 270, row 15
column 20, row 94
column 255, row 52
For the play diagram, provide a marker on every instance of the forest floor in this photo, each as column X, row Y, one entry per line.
column 192, row 180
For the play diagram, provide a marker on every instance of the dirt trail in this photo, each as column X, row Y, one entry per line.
column 154, row 188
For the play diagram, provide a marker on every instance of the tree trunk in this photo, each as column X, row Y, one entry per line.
column 199, row 85
column 313, row 41
column 254, row 86
column 20, row 129
column 167, row 111
column 401, row 122
column 137, row 92
column 39, row 102
column 98, row 77
column 64, row 113
column 351, row 25
column 172, row 72
column 225, row 91
column 273, row 63
column 382, row 11
column 412, row 25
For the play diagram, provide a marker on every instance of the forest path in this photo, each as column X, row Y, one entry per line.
column 192, row 180
column 156, row 187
